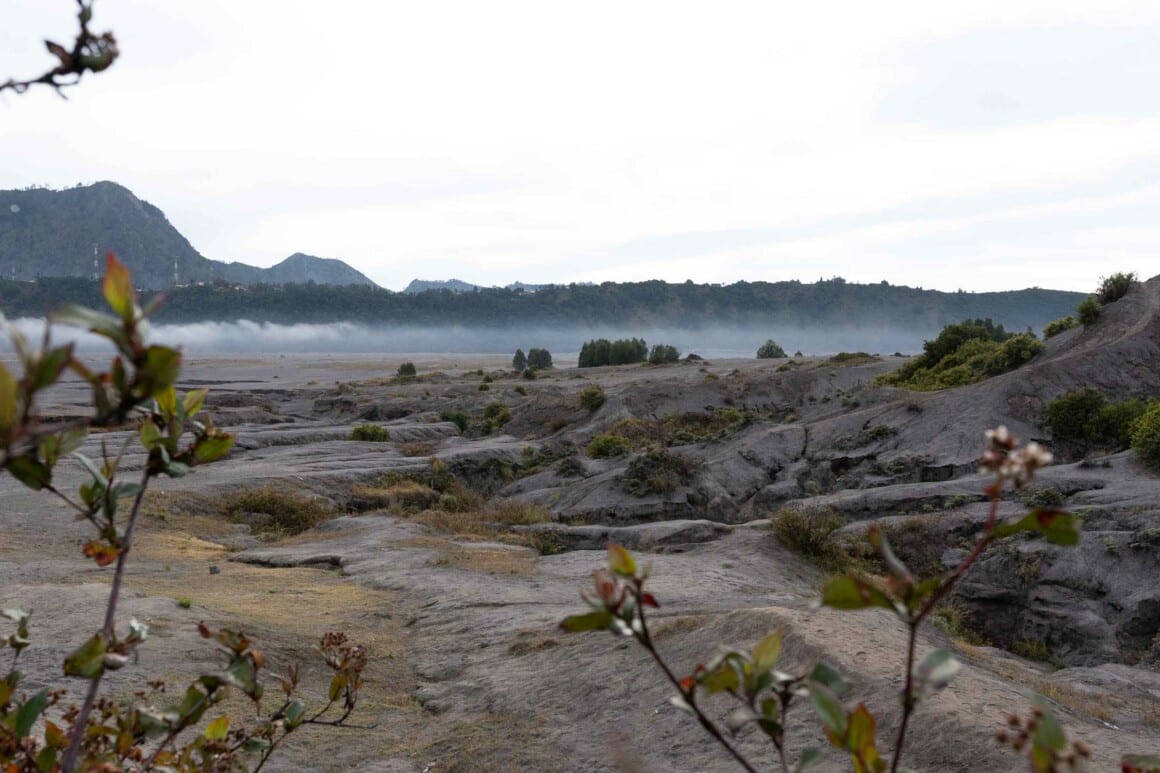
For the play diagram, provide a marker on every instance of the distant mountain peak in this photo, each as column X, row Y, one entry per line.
column 58, row 233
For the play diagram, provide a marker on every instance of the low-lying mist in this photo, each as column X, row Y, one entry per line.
column 248, row 337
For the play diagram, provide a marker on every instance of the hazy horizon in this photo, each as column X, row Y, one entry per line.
column 246, row 337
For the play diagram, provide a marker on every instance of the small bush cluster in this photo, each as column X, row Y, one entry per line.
column 1113, row 288
column 623, row 351
column 607, row 446
column 1086, row 417
column 853, row 358
column 663, row 354
column 458, row 418
column 811, row 532
column 770, row 350
column 286, row 513
column 371, row 433
column 539, row 359
column 406, row 370
column 591, row 397
column 657, row 471
column 1088, row 311
column 965, row 353
column 495, row 415
column 1056, row 327
column 677, row 429
column 1146, row 436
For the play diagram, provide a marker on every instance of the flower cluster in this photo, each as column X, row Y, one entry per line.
column 1009, row 462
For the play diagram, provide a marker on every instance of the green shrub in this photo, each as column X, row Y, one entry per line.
column 519, row 361
column 521, row 390
column 591, row 397
column 406, row 369
column 1085, row 416
column 607, row 446
column 663, row 354
column 1088, row 311
column 965, row 353
column 1146, row 436
column 458, row 418
column 1113, row 288
column 657, row 471
column 810, row 532
column 770, row 350
column 287, row 512
column 1037, row 497
column 1059, row 325
column 530, row 374
column 495, row 415
column 371, row 433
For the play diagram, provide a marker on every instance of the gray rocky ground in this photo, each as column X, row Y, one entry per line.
column 470, row 671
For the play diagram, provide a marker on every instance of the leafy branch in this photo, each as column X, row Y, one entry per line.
column 90, row 53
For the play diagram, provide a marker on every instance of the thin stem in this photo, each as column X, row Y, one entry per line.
column 68, row 765
column 907, row 697
column 646, row 641
column 126, row 545
column 944, row 587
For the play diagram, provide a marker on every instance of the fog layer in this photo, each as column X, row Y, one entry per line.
column 259, row 337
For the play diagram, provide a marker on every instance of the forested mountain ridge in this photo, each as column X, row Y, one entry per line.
column 50, row 233
column 830, row 303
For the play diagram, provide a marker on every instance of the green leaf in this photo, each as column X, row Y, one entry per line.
column 935, row 672
column 8, row 396
column 88, row 660
column 159, row 373
column 861, row 741
column 294, row 714
column 95, row 321
column 337, row 684
column 29, row 713
column 118, row 288
column 598, row 620
column 30, row 471
column 809, row 758
column 218, row 729
column 829, row 708
column 828, row 676
column 167, row 401
column 620, row 561
column 193, row 402
column 49, row 367
column 766, row 652
column 721, row 678
column 1048, row 733
column 1057, row 526
column 211, row 448
column 98, row 476
column 854, row 593
column 150, row 434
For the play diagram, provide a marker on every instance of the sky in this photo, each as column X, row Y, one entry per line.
column 987, row 145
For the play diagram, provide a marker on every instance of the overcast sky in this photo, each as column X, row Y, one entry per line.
column 981, row 145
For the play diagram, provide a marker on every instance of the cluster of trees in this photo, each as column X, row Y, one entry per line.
column 638, row 304
column 662, row 354
column 535, row 359
column 623, row 351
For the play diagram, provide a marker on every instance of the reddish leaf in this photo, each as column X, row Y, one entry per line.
column 101, row 552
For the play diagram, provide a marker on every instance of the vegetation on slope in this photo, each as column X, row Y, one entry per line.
column 965, row 353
